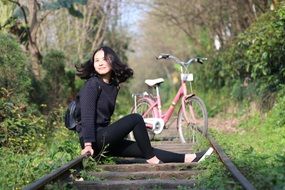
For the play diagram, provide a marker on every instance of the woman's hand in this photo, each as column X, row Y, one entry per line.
column 87, row 148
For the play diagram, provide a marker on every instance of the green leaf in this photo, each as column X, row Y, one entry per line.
column 82, row 2
column 65, row 3
column 51, row 6
column 75, row 12
column 68, row 4
column 18, row 12
column 264, row 56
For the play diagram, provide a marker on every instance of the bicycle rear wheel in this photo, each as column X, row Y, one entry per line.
column 190, row 129
column 142, row 107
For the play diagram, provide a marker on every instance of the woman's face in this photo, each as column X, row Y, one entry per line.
column 100, row 64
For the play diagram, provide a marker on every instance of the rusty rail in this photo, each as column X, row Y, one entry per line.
column 65, row 169
column 56, row 174
column 230, row 165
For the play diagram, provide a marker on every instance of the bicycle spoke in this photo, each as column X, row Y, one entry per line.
column 193, row 122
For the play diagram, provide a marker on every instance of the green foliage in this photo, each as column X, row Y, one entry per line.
column 19, row 122
column 78, row 83
column 71, row 84
column 6, row 10
column 167, row 92
column 276, row 115
column 22, row 128
column 124, row 103
column 19, row 12
column 215, row 175
column 251, row 65
column 19, row 170
column 55, row 83
column 68, row 4
column 15, row 76
column 216, row 100
column 260, row 160
column 28, row 149
column 61, row 4
column 58, row 86
column 257, row 149
column 262, row 47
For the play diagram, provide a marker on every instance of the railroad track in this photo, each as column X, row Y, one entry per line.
column 130, row 173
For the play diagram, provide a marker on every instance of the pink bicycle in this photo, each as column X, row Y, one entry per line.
column 192, row 118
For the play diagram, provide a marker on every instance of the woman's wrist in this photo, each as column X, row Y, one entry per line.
column 87, row 144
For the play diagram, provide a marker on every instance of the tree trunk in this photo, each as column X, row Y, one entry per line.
column 33, row 25
column 32, row 47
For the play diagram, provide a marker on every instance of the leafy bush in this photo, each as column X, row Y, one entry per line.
column 262, row 52
column 15, row 76
column 18, row 170
column 21, row 128
column 55, row 80
column 276, row 115
column 253, row 62
column 257, row 149
column 19, row 122
column 57, row 87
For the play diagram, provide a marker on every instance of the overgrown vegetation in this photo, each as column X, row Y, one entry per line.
column 251, row 68
column 31, row 114
column 257, row 149
column 252, row 65
column 15, row 76
column 22, row 169
column 27, row 136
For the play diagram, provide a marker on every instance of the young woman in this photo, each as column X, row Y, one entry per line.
column 97, row 100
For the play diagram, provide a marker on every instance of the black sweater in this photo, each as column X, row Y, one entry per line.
column 97, row 103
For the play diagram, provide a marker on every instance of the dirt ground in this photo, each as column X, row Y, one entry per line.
column 224, row 125
column 227, row 121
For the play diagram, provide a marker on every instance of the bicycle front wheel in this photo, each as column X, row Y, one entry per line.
column 142, row 108
column 193, row 122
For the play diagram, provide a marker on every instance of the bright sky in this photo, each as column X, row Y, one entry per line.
column 131, row 15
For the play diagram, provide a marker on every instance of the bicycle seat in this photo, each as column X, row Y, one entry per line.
column 152, row 82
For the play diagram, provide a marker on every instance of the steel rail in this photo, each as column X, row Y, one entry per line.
column 230, row 165
column 63, row 170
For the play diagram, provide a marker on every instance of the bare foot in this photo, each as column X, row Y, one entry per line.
column 153, row 160
column 189, row 158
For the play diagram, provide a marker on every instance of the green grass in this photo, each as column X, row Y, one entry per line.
column 19, row 170
column 257, row 149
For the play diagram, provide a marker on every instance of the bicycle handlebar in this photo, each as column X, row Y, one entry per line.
column 196, row 59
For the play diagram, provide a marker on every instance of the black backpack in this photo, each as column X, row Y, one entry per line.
column 72, row 113
column 70, row 119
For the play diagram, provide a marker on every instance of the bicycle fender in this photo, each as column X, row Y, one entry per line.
column 189, row 96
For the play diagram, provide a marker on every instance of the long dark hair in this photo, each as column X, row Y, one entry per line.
column 120, row 71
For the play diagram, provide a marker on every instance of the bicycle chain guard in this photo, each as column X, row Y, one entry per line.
column 156, row 123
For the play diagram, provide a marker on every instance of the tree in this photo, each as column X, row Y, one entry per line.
column 79, row 37
column 30, row 14
column 222, row 19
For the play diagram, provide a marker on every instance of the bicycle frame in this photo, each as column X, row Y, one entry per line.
column 156, row 104
column 156, row 120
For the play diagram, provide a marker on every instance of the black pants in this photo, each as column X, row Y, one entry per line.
column 112, row 140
